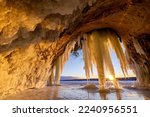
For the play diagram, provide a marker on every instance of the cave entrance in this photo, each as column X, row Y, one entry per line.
column 74, row 72
column 96, row 50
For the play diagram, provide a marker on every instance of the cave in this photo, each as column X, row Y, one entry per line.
column 34, row 34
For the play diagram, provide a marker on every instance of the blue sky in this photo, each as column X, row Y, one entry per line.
column 74, row 67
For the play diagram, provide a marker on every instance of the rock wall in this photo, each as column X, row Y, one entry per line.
column 28, row 67
column 33, row 33
column 30, row 42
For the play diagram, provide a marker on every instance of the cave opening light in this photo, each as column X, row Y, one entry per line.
column 96, row 51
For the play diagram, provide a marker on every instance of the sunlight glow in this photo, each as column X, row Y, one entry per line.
column 110, row 77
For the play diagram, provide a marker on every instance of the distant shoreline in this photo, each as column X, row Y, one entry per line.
column 95, row 79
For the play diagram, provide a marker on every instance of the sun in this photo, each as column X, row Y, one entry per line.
column 110, row 77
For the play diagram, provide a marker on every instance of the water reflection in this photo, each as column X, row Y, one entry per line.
column 103, row 96
column 55, row 92
column 107, row 95
column 76, row 92
column 118, row 95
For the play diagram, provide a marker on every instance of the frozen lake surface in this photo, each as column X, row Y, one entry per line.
column 74, row 90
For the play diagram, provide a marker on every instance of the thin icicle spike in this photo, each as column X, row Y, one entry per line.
column 61, row 60
column 86, row 57
column 116, row 46
column 90, row 57
column 138, row 47
column 58, row 70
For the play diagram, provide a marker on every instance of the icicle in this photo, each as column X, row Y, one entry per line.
column 87, row 61
column 106, row 55
column 138, row 47
column 115, row 44
column 108, row 63
column 85, row 57
column 61, row 60
column 96, row 48
column 70, row 46
column 58, row 70
column 90, row 57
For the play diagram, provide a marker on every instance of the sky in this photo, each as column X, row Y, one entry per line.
column 75, row 67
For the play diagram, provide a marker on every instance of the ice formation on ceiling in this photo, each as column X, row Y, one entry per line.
column 96, row 50
column 96, row 47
